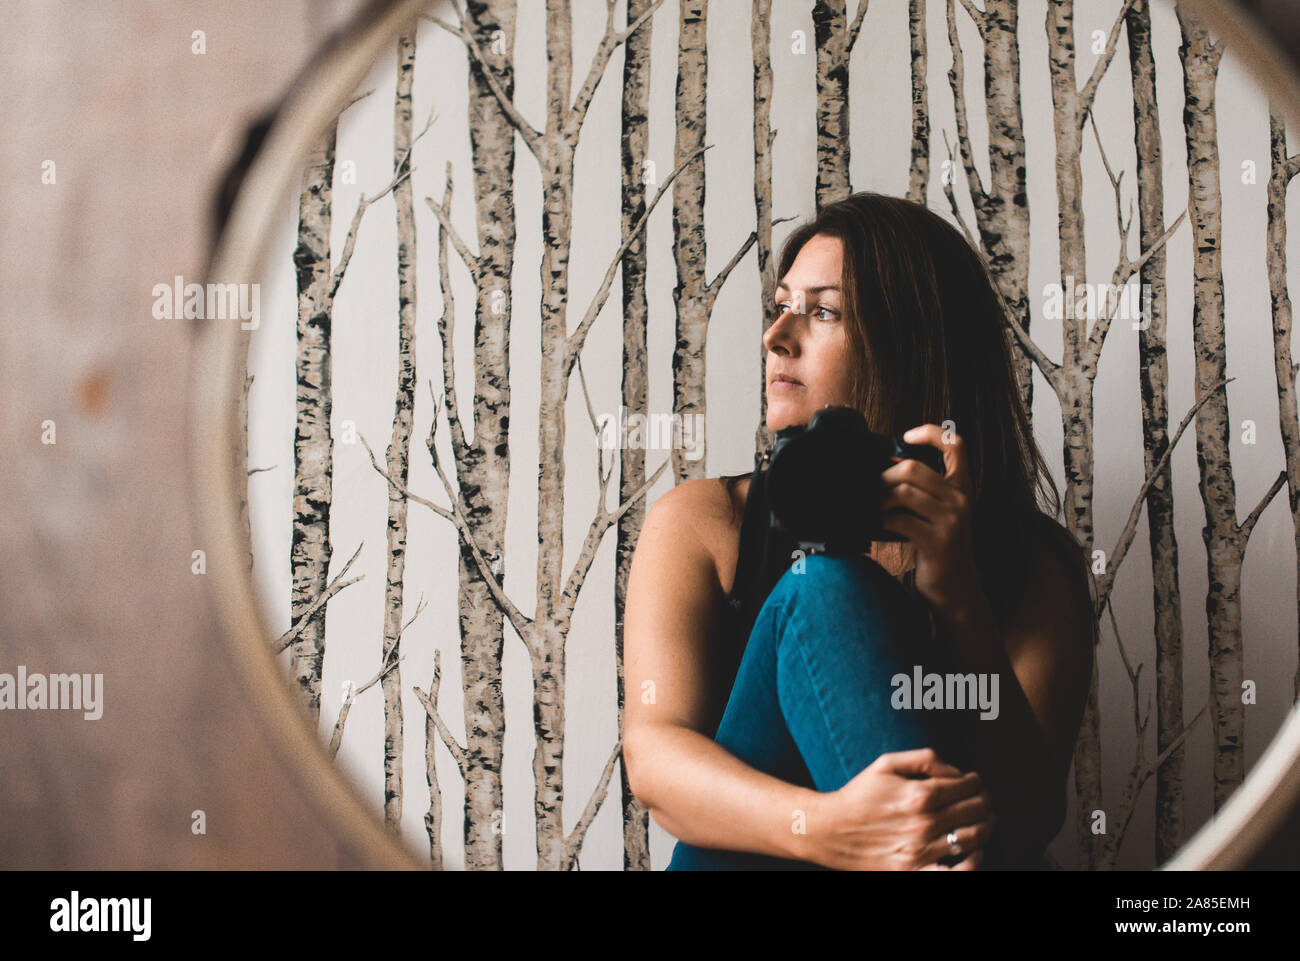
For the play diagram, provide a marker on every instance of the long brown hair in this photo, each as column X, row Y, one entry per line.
column 930, row 338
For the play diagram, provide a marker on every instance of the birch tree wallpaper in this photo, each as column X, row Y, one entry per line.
column 521, row 296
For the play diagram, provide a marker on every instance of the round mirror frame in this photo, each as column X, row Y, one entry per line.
column 1231, row 838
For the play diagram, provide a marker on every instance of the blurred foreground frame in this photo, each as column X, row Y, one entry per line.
column 269, row 172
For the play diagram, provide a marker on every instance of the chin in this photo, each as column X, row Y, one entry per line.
column 781, row 415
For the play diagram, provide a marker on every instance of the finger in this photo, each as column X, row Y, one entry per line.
column 971, row 862
column 926, row 503
column 917, row 762
column 918, row 473
column 946, row 793
column 956, row 468
column 918, row 532
column 959, row 463
column 968, row 838
column 966, row 817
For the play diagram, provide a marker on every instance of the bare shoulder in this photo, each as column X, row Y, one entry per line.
column 674, row 612
column 705, row 512
column 704, row 498
column 702, row 508
column 1055, row 609
column 1062, row 566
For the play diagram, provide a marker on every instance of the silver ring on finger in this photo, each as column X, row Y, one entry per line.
column 953, row 846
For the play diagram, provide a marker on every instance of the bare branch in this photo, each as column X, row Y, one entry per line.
column 457, row 752
column 976, row 14
column 1248, row 524
column 1050, row 368
column 712, row 288
column 1140, row 773
column 856, row 27
column 602, row 475
column 599, row 524
column 1126, row 269
column 1089, row 92
column 350, row 242
column 1107, row 579
column 333, row 588
column 1138, row 264
column 336, row 738
column 521, row 624
column 531, row 136
column 608, row 44
column 576, row 339
column 1134, row 679
column 957, row 80
column 447, row 319
column 573, row 843
column 471, row 260
column 952, row 196
column 1139, row 777
column 1116, row 186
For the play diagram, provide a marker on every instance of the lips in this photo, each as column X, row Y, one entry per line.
column 785, row 379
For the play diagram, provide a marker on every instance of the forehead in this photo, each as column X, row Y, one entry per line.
column 816, row 267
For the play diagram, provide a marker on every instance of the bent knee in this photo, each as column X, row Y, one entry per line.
column 821, row 578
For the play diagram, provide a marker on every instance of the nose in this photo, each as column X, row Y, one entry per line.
column 782, row 333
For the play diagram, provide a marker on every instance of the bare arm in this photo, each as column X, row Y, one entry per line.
column 895, row 814
column 704, row 795
column 696, row 789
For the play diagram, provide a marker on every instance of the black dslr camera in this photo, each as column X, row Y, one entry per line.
column 823, row 481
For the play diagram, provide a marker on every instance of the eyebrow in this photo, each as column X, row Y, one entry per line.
column 809, row 290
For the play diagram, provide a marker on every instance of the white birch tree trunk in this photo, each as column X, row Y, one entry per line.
column 1076, row 399
column 483, row 465
column 547, row 653
column 545, row 633
column 694, row 295
column 1001, row 209
column 1153, row 373
column 1282, row 170
column 760, row 37
column 831, row 35
column 689, row 247
column 398, row 457
column 919, row 173
column 313, row 445
column 635, row 389
column 1225, row 539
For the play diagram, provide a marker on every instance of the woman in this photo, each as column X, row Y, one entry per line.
column 765, row 730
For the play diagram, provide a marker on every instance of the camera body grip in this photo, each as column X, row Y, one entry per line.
column 824, row 483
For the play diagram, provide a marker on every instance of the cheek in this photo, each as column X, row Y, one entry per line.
column 840, row 366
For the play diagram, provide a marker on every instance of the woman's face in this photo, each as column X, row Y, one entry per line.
column 807, row 341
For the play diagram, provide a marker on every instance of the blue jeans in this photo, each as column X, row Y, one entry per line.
column 811, row 702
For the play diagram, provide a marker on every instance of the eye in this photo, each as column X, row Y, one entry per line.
column 829, row 310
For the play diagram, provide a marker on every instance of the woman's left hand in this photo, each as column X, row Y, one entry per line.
column 939, row 523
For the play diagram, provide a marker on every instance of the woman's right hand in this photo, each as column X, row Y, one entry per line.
column 895, row 815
